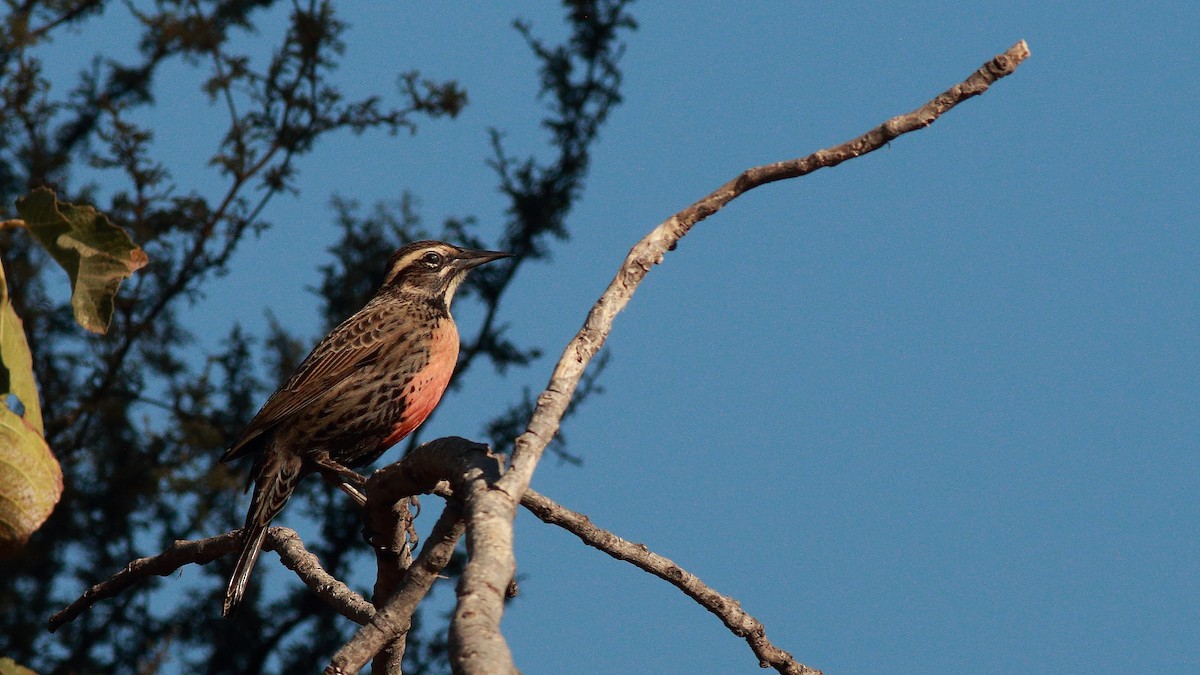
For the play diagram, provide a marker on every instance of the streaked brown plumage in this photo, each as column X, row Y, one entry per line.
column 367, row 385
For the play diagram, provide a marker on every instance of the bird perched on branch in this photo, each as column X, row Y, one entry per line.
column 368, row 384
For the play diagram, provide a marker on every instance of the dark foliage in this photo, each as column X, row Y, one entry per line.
column 139, row 417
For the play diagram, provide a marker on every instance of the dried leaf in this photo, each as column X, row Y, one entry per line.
column 96, row 254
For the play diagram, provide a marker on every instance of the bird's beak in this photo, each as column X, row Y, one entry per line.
column 468, row 258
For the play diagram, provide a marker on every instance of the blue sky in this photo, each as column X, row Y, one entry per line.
column 933, row 410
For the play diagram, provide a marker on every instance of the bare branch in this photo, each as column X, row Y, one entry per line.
column 282, row 540
column 469, row 468
column 491, row 565
column 726, row 608
column 201, row 552
column 286, row 542
column 393, row 558
column 391, row 623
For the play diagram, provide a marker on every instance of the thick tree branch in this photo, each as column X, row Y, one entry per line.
column 468, row 468
column 491, row 564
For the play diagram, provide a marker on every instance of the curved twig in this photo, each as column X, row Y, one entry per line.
column 726, row 608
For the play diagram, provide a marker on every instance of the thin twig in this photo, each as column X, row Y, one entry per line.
column 37, row 33
column 491, row 563
column 182, row 552
column 282, row 540
column 726, row 608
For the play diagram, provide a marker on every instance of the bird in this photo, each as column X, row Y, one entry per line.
column 369, row 383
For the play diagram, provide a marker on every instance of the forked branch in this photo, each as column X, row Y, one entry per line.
column 477, row 645
column 470, row 470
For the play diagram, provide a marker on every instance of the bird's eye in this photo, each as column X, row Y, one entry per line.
column 432, row 259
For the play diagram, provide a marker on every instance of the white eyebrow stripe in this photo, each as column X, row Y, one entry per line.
column 415, row 256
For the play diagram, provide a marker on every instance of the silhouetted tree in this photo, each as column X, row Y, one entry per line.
column 139, row 417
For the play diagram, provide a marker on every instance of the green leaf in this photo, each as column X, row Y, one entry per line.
column 16, row 361
column 30, row 478
column 96, row 254
column 30, row 481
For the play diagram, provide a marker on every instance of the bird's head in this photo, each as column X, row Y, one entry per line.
column 434, row 269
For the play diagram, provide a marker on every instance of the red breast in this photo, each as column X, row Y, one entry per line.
column 423, row 392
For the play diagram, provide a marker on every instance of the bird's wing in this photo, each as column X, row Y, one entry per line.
column 352, row 345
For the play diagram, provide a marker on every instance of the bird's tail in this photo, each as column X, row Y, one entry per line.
column 277, row 476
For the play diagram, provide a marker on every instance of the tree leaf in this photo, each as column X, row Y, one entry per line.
column 30, row 481
column 16, row 362
column 30, row 478
column 96, row 254
column 10, row 667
